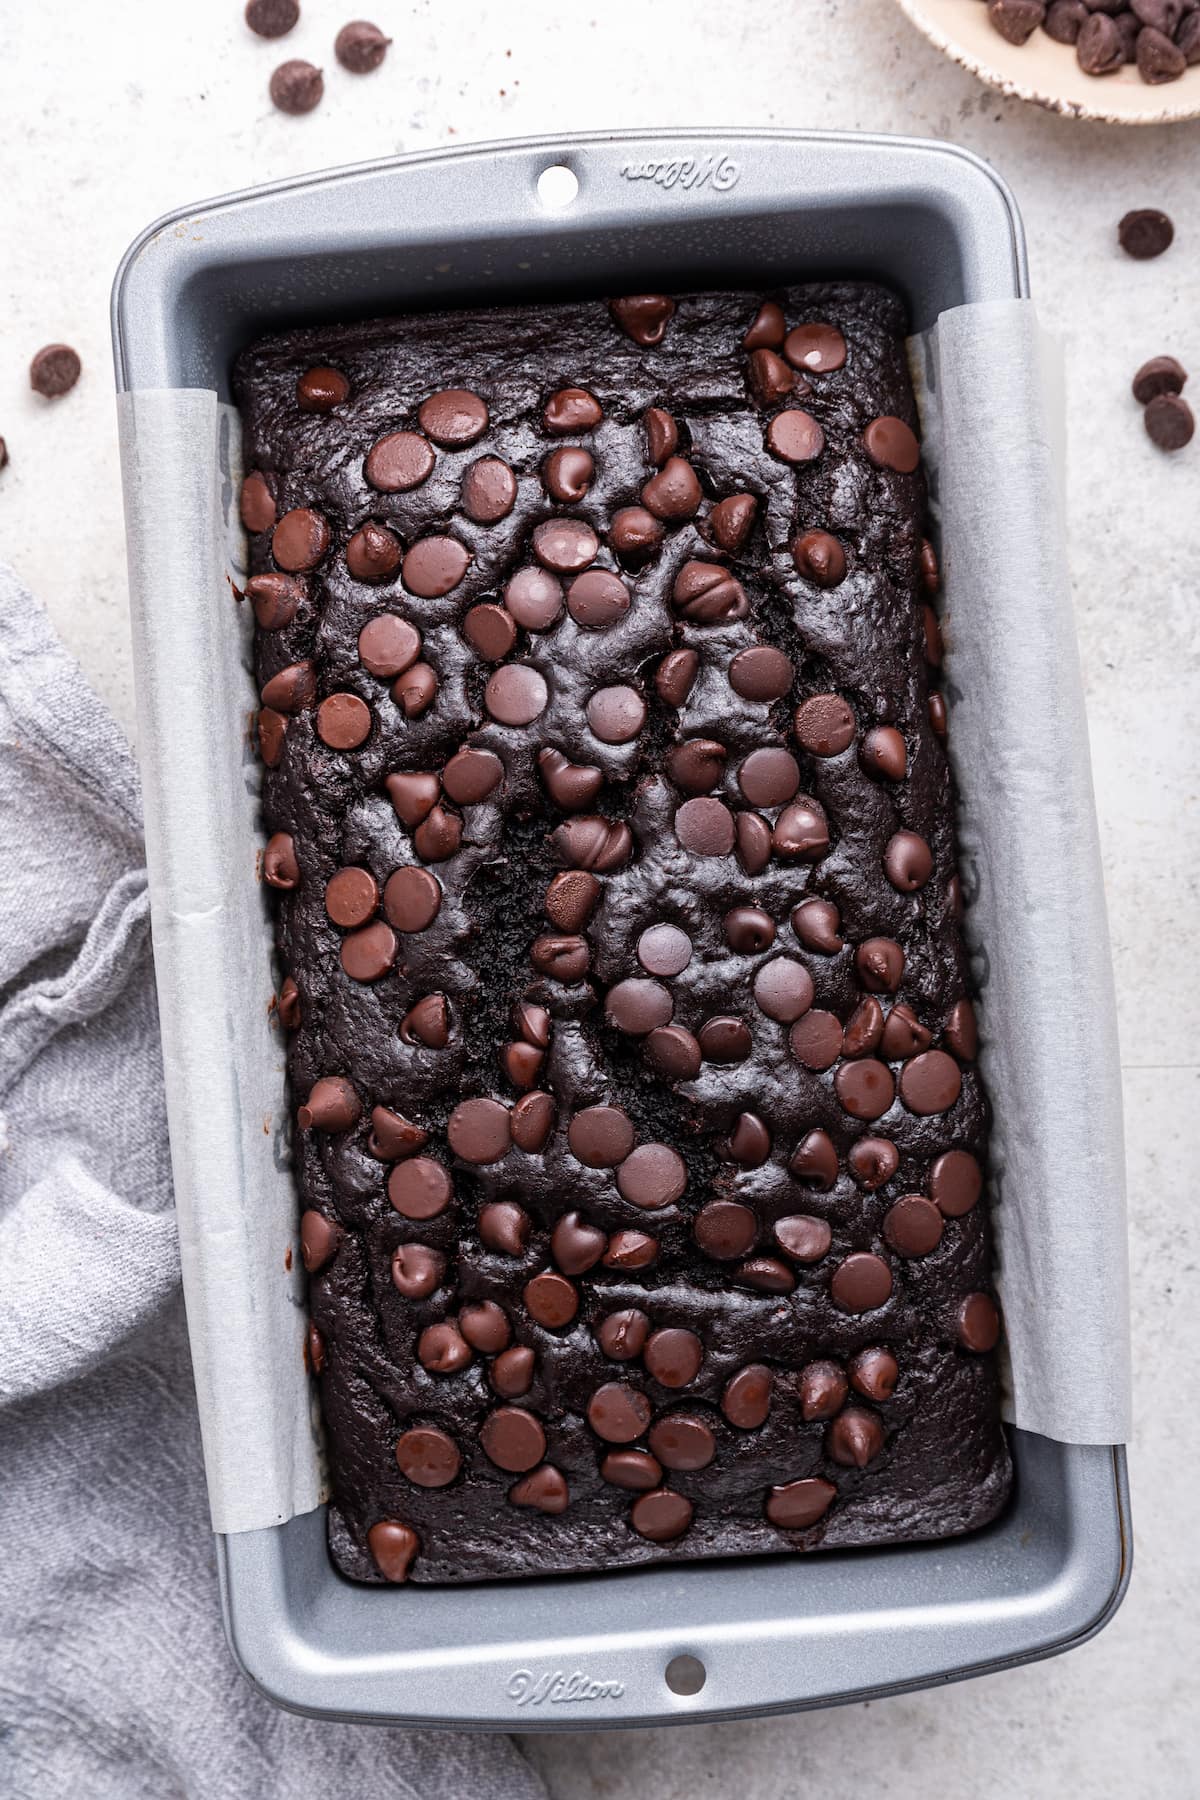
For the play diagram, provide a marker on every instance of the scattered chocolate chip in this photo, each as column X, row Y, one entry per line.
column 662, row 434
column 675, row 676
column 54, row 371
column 891, row 444
column 332, row 1105
column 567, row 473
column 825, row 725
column 296, row 86
column 412, row 899
column 398, row 462
column 955, row 1183
column 572, row 410
column 795, row 437
column 746, row 1397
column 1098, row 48
column 489, row 490
column 1161, row 375
column 817, row 924
column 1016, row 20
column 272, row 18
column 661, row 1515
column 393, row 1548
column 913, row 1226
column 1169, row 421
column 360, row 46
column 453, row 417
column 873, row 1161
column 534, row 597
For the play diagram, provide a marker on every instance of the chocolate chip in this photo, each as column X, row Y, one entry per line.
column 622, row 1334
column 564, row 545
column 428, row 1022
column 571, row 899
column 637, row 1006
column 820, row 558
column 54, row 370
column 442, row 1349
column 472, row 775
column 961, row 1031
column 753, row 836
column 289, row 1005
column 420, row 1188
column 454, row 417
column 398, row 462
column 532, row 1121
column 955, row 1183
column 825, row 725
column 513, row 1439
column 545, row 1489
column 661, row 1516
column 485, row 1326
column 822, row 1389
column 343, row 721
column 478, row 1131
column 930, row 1083
column 933, row 637
column 662, row 434
column 767, row 328
column 855, row 1438
column 489, row 490
column 865, row 1089
column 393, row 1546
column 874, row 1373
column 907, row 861
column 576, row 1245
column 1158, row 58
column 705, row 826
column 351, row 897
column 804, row 1238
column 280, row 868
column 770, row 377
column 904, row 1035
column 319, row 1239
column 732, row 520
column 300, row 540
column 767, row 1274
column 706, row 594
column 725, row 1040
column 427, row 1457
column 748, row 929
column 913, row 1226
column 802, row 831
column 937, row 714
column 615, row 715
column 769, row 777
column 1169, row 422
column 815, row 1161
column 417, row 1270
column 798, row 1504
column 434, row 566
column 534, row 598
column 564, row 957
column 891, row 444
column 885, row 753
column 675, row 676
column 817, row 924
column 630, row 1250
column 272, row 729
column 296, row 86
column 618, row 1413
column 816, row 1040
column 551, row 1299
column 511, row 1374
column 674, row 1052
column 1161, row 375
column 1016, row 20
column 795, row 437
column 879, row 963
column 864, row 1029
column 373, row 553
column 412, row 899
column 1065, row 19
column 516, row 694
column 504, row 1227
column 272, row 18
column 783, row 989
column 332, row 1105
column 572, row 410
column 873, row 1161
column 746, row 1397
column 256, row 505
column 697, row 765
column 635, row 1470
column 725, row 1230
column 978, row 1324
column 320, row 389
column 388, row 645
column 490, row 630
column 522, row 1064
column 392, row 1135
column 1099, row 49
column 673, row 1357
column 360, row 46
column 635, row 534
column 415, row 690
column 293, row 689
column 664, row 950
column 819, row 348
column 651, row 1176
column 674, row 493
column 682, row 1441
column 600, row 1136
column 643, row 317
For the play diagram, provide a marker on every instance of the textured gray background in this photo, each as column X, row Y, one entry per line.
column 113, row 114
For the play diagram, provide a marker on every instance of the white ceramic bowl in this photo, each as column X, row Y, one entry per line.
column 1049, row 73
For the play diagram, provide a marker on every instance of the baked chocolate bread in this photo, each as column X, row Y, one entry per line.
column 639, row 1135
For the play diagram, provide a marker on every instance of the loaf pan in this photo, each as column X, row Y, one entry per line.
column 620, row 212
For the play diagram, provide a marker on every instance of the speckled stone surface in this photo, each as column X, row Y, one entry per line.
column 939, row 1465
column 1117, row 1716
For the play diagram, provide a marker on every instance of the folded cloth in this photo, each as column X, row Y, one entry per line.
column 115, row 1681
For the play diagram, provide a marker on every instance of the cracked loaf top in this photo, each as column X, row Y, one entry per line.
column 639, row 1136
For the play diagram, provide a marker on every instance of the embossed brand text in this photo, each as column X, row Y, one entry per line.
column 720, row 172
column 556, row 1687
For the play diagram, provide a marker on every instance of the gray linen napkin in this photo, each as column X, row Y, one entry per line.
column 115, row 1681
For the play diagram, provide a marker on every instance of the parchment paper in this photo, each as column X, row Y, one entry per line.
column 1030, row 864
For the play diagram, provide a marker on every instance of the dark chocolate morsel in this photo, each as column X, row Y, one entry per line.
column 675, row 676
column 643, row 317
column 296, row 86
column 732, row 520
column 854, row 1438
column 815, row 1161
column 393, row 1545
column 661, row 1515
column 820, row 558
column 417, row 1270
column 746, row 1397
column 822, row 1391
column 874, row 1373
column 873, row 1161
column 360, row 46
column 798, row 1504
column 272, row 18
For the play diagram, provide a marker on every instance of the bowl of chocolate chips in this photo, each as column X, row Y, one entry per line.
column 1127, row 62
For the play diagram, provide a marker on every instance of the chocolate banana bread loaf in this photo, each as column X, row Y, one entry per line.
column 639, row 1136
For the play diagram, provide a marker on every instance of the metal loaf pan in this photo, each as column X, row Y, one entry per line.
column 468, row 226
